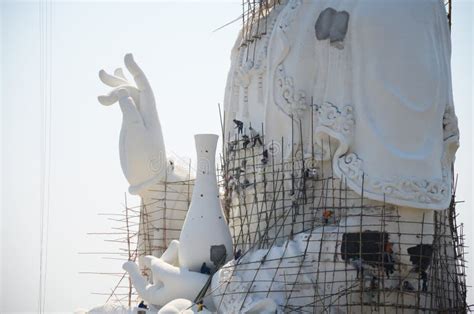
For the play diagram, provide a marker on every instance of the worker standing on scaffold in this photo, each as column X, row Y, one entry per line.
column 327, row 214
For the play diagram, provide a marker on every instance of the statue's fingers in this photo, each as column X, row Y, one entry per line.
column 112, row 97
column 163, row 271
column 119, row 73
column 146, row 105
column 137, row 73
column 111, row 80
column 107, row 100
column 140, row 283
column 131, row 267
column 170, row 256
column 148, row 259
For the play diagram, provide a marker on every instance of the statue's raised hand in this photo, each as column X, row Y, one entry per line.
column 142, row 149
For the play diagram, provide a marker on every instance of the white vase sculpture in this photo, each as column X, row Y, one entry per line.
column 205, row 237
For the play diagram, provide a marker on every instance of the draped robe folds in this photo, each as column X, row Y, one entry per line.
column 383, row 98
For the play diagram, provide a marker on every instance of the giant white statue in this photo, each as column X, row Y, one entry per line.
column 359, row 94
column 364, row 87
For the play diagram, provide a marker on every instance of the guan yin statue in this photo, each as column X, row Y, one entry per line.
column 337, row 176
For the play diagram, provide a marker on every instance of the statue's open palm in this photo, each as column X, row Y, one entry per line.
column 169, row 282
column 142, row 149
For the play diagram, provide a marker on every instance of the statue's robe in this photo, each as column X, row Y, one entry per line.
column 382, row 98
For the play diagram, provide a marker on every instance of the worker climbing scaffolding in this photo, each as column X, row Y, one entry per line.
column 255, row 136
column 239, row 125
column 327, row 214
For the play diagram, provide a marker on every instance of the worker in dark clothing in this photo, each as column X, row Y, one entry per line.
column 246, row 141
column 357, row 263
column 245, row 184
column 237, row 172
column 265, row 157
column 255, row 137
column 238, row 254
column 407, row 286
column 424, row 278
column 388, row 261
column 310, row 172
column 292, row 192
column 239, row 125
column 374, row 283
column 205, row 270
column 142, row 305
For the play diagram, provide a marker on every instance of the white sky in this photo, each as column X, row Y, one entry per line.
column 187, row 66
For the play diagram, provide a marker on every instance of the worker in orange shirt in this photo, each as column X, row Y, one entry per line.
column 327, row 214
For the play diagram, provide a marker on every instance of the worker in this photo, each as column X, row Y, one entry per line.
column 200, row 306
column 310, row 172
column 292, row 192
column 142, row 305
column 326, row 216
column 231, row 182
column 265, row 157
column 255, row 137
column 232, row 145
column 245, row 184
column 246, row 140
column 388, row 261
column 239, row 125
column 424, row 278
column 374, row 283
column 358, row 264
column 205, row 270
column 238, row 254
column 407, row 286
column 306, row 173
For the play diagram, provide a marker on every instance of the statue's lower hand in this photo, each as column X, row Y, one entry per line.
column 142, row 149
column 169, row 282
